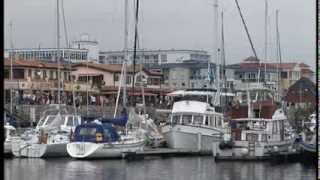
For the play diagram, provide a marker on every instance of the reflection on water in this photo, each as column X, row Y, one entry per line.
column 203, row 168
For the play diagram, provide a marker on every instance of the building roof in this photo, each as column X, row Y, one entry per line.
column 304, row 90
column 32, row 64
column 115, row 68
column 251, row 63
column 156, row 51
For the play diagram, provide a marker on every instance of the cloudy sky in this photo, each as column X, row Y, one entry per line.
column 166, row 24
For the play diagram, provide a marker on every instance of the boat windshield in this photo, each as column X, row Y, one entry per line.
column 87, row 131
column 186, row 119
column 197, row 119
column 175, row 119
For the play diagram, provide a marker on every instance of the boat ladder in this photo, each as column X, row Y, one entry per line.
column 251, row 148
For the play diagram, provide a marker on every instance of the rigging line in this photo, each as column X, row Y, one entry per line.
column 251, row 43
column 246, row 29
column 135, row 48
column 65, row 24
column 68, row 55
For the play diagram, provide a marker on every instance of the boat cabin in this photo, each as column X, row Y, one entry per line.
column 65, row 122
column 97, row 133
column 257, row 129
column 195, row 113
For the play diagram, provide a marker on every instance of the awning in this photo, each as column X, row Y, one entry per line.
column 91, row 74
column 195, row 93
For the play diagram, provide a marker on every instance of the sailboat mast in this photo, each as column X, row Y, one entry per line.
column 135, row 49
column 11, row 68
column 278, row 53
column 265, row 39
column 58, row 53
column 126, row 53
column 223, row 62
column 215, row 50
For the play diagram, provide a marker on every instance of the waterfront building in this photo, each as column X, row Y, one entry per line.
column 49, row 54
column 109, row 75
column 80, row 51
column 32, row 77
column 192, row 74
column 246, row 73
column 154, row 57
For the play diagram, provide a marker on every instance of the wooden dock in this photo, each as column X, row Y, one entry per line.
column 276, row 157
column 163, row 152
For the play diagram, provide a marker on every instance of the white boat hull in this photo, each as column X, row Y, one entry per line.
column 7, row 148
column 23, row 149
column 191, row 137
column 261, row 149
column 102, row 150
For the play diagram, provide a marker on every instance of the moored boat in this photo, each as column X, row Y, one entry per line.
column 48, row 139
column 9, row 131
column 101, row 140
column 307, row 140
column 194, row 125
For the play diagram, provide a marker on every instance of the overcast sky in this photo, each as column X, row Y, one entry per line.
column 166, row 24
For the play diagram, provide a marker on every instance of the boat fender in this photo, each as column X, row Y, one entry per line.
column 98, row 137
column 226, row 145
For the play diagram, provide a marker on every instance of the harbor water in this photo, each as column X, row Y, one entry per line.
column 173, row 168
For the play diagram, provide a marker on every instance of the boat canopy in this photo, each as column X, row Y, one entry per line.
column 89, row 132
column 119, row 121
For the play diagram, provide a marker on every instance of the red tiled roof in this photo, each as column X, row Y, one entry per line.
column 32, row 64
column 115, row 68
column 307, row 71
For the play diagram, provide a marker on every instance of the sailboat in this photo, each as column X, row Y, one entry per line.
column 101, row 139
column 52, row 133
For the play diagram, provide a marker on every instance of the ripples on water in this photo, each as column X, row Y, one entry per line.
column 202, row 168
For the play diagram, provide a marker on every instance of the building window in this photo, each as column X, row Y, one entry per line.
column 29, row 73
column 284, row 75
column 44, row 74
column 128, row 79
column 65, row 75
column 163, row 58
column 6, row 73
column 50, row 75
column 116, row 77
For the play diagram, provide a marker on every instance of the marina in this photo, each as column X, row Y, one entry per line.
column 229, row 111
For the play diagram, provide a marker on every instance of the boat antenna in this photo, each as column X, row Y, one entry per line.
column 135, row 50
